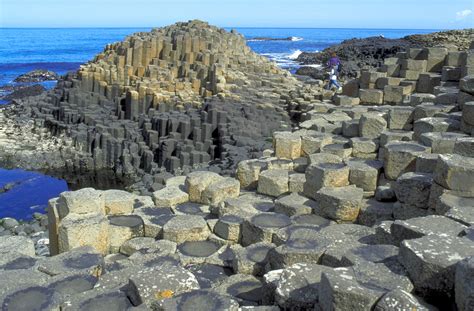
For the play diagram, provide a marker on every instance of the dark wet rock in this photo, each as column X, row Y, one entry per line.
column 339, row 290
column 246, row 289
column 298, row 286
column 252, row 259
column 19, row 92
column 32, row 298
column 199, row 300
column 83, row 259
column 38, row 75
column 431, row 264
column 315, row 73
column 399, row 299
column 209, row 275
column 464, row 286
column 421, row 226
column 150, row 285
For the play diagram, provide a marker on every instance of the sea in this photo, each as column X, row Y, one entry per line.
column 64, row 49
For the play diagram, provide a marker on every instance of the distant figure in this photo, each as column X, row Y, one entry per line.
column 333, row 67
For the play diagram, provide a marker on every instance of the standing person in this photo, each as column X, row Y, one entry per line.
column 333, row 66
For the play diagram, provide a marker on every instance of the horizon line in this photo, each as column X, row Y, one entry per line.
column 235, row 27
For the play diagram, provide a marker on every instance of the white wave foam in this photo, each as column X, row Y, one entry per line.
column 295, row 54
column 296, row 38
column 312, row 65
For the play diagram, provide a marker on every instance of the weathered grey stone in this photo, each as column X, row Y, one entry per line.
column 371, row 125
column 394, row 135
column 246, row 289
column 183, row 228
column 325, row 175
column 399, row 299
column 364, row 174
column 261, row 227
column 197, row 252
column 426, row 163
column 340, row 204
column 413, row 189
column 456, row 208
column 371, row 253
column 170, row 196
column 252, row 259
column 218, row 192
column 421, row 226
column 298, row 286
column 455, row 172
column 287, row 145
column 122, row 228
column 154, row 219
column 294, row 204
column 248, row 172
column 313, row 144
column 18, row 244
column 118, row 202
column 339, row 290
column 440, row 142
column 318, row 158
column 229, row 227
column 431, row 263
column 83, row 201
column 464, row 288
column 80, row 260
column 372, row 212
column 464, row 146
column 342, row 150
column 78, row 230
column 199, row 300
column 149, row 285
column 466, row 84
column 138, row 244
column 273, row 182
column 197, row 182
column 427, row 125
column 400, row 157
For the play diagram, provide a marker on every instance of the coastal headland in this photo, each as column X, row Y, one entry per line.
column 248, row 188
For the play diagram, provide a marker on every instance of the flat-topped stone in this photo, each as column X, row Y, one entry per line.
column 340, row 204
column 431, row 263
column 400, row 157
column 455, row 172
column 183, row 228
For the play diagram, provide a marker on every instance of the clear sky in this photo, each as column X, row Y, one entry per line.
column 414, row 14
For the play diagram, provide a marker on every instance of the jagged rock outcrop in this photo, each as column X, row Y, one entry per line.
column 357, row 54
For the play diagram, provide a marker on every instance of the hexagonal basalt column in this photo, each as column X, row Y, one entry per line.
column 400, row 157
column 273, row 182
column 340, row 204
column 261, row 227
column 325, row 175
column 123, row 228
column 183, row 228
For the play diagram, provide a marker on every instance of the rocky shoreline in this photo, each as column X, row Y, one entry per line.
column 357, row 54
column 354, row 201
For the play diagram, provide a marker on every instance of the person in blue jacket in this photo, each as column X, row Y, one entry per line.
column 333, row 65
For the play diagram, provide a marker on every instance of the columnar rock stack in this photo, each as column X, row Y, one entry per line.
column 172, row 98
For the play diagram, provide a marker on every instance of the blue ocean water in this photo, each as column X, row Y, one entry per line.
column 30, row 194
column 62, row 50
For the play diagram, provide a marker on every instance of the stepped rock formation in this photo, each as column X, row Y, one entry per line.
column 175, row 98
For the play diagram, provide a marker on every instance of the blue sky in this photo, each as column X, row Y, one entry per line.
column 419, row 14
